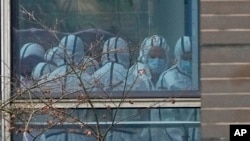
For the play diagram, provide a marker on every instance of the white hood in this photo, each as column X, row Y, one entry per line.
column 116, row 50
column 148, row 43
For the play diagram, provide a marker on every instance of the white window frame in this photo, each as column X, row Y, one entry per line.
column 5, row 65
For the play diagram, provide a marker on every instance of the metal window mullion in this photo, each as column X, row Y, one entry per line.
column 5, row 66
column 195, row 44
column 137, row 103
column 128, row 124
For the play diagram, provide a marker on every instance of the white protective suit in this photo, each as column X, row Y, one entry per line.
column 112, row 76
column 66, row 79
column 115, row 62
column 70, row 75
column 30, row 55
column 89, row 65
column 55, row 56
column 42, row 70
column 73, row 48
column 176, row 78
column 141, row 78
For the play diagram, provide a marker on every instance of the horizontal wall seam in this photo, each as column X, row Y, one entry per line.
column 224, row 15
column 225, row 109
column 226, row 30
column 224, row 78
column 226, row 64
column 225, row 123
column 229, row 94
column 224, row 1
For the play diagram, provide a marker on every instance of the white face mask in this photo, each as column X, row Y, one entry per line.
column 186, row 66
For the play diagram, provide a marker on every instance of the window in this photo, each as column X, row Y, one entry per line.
column 112, row 46
column 80, row 68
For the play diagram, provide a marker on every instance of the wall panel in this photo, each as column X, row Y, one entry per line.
column 211, row 21
column 225, row 54
column 225, row 36
column 225, row 7
column 225, row 66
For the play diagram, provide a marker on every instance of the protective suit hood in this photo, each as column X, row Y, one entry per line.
column 116, row 50
column 56, row 56
column 148, row 43
column 74, row 47
column 30, row 55
column 183, row 45
column 31, row 49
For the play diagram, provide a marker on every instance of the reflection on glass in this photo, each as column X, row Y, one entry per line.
column 121, row 45
column 161, row 124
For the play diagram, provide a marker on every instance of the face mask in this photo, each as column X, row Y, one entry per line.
column 186, row 66
column 156, row 65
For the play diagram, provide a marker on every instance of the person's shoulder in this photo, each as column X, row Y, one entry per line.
column 170, row 71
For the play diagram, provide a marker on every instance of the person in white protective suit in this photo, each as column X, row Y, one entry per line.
column 111, row 77
column 74, row 72
column 115, row 63
column 30, row 55
column 152, row 61
column 178, row 77
column 73, row 48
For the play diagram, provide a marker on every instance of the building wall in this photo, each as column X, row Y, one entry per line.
column 225, row 66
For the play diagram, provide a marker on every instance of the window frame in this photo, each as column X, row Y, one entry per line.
column 154, row 102
column 191, row 29
column 5, row 65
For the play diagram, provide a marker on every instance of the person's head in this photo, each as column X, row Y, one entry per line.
column 116, row 50
column 55, row 56
column 156, row 60
column 183, row 54
column 74, row 48
column 30, row 55
column 154, row 52
column 42, row 69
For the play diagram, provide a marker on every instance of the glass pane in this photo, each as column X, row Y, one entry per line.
column 120, row 46
column 171, row 124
